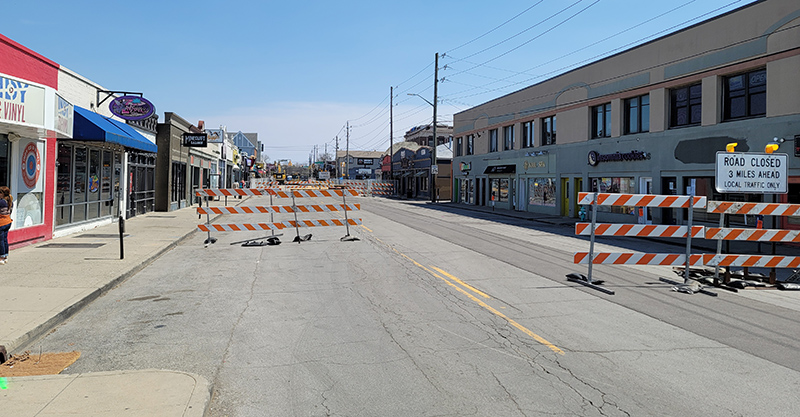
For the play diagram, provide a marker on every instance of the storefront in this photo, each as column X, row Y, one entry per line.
column 27, row 147
column 105, row 170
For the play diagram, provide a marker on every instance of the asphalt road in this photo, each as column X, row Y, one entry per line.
column 436, row 311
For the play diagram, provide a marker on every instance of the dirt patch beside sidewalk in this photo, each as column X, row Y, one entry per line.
column 27, row 364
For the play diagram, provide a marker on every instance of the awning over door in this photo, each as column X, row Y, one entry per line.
column 90, row 126
column 501, row 169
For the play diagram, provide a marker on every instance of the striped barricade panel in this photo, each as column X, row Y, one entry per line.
column 314, row 208
column 323, row 193
column 637, row 230
column 771, row 209
column 641, row 200
column 753, row 235
column 767, row 261
column 637, row 258
column 250, row 227
column 228, row 192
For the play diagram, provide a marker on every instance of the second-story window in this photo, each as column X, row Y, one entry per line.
column 493, row 140
column 685, row 105
column 601, row 121
column 527, row 134
column 549, row 130
column 508, row 138
column 459, row 146
column 637, row 114
column 745, row 95
column 470, row 144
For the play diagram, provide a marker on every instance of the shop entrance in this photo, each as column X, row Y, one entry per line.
column 565, row 197
column 141, row 183
column 577, row 189
column 644, row 216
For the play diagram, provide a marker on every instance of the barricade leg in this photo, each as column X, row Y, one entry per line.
column 347, row 237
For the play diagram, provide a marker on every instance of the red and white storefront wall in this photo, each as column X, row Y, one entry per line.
column 32, row 118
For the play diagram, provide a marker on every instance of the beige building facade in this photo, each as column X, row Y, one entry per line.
column 646, row 120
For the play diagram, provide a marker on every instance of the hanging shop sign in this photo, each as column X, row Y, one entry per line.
column 595, row 158
column 739, row 172
column 132, row 107
column 21, row 102
column 195, row 140
column 215, row 135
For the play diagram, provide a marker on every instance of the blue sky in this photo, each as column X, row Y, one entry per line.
column 297, row 72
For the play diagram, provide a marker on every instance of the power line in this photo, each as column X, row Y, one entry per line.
column 535, row 37
column 495, row 28
column 717, row 49
column 594, row 57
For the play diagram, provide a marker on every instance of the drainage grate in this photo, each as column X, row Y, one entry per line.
column 162, row 217
column 101, row 235
column 73, row 245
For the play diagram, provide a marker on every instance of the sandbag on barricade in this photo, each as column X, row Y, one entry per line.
column 788, row 286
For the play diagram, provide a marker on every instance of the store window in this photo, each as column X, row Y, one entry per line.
column 549, row 131
column 467, row 194
column 685, row 106
column 87, row 183
column 542, row 192
column 178, row 182
column 637, row 114
column 493, row 140
column 508, row 138
column 601, row 121
column 5, row 158
column 527, row 134
column 470, row 144
column 745, row 95
column 499, row 187
column 64, row 185
column 622, row 185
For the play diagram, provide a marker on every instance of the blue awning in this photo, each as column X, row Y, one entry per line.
column 90, row 126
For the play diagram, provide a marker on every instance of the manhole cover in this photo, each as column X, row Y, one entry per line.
column 73, row 245
column 101, row 235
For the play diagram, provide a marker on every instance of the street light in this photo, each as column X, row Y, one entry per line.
column 433, row 151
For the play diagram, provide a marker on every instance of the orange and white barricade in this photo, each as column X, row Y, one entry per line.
column 273, row 209
column 714, row 233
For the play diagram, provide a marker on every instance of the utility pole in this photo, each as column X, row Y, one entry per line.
column 336, row 156
column 347, row 152
column 391, row 139
column 434, row 167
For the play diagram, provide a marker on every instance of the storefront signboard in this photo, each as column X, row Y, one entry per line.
column 21, row 102
column 132, row 107
column 195, row 140
column 65, row 114
column 757, row 173
column 595, row 157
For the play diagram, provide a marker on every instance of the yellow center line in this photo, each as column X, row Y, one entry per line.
column 366, row 228
column 470, row 287
column 510, row 321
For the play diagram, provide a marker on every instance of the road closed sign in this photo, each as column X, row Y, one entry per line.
column 756, row 173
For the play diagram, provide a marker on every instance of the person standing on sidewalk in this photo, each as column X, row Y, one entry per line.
column 6, row 206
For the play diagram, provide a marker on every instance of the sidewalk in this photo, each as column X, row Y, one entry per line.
column 44, row 284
